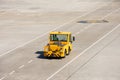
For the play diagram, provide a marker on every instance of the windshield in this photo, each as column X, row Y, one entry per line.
column 58, row 37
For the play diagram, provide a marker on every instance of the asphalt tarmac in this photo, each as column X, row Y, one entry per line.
column 24, row 30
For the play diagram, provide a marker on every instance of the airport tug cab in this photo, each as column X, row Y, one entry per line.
column 60, row 44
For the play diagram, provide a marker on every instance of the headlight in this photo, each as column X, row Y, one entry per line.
column 46, row 49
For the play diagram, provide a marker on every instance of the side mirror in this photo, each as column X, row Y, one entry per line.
column 73, row 38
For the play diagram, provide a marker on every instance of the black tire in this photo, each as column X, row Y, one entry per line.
column 65, row 52
column 69, row 50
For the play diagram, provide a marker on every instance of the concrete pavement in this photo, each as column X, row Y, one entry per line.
column 96, row 62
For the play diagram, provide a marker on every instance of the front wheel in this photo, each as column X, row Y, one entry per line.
column 65, row 52
column 69, row 50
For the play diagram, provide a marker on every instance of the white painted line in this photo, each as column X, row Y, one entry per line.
column 21, row 66
column 89, row 26
column 11, row 72
column 2, row 78
column 83, row 52
column 47, row 33
column 77, row 33
column 94, row 24
column 111, row 13
column 84, row 28
column 30, row 61
column 81, row 30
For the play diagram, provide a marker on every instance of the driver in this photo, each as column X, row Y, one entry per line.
column 55, row 38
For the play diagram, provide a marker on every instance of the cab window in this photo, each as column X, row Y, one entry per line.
column 58, row 37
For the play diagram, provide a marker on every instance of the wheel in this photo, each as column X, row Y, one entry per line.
column 65, row 52
column 69, row 50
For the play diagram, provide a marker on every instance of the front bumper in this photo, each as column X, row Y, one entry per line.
column 52, row 54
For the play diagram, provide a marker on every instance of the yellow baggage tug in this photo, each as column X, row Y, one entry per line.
column 60, row 44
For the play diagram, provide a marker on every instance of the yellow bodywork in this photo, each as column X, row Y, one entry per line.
column 60, row 47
